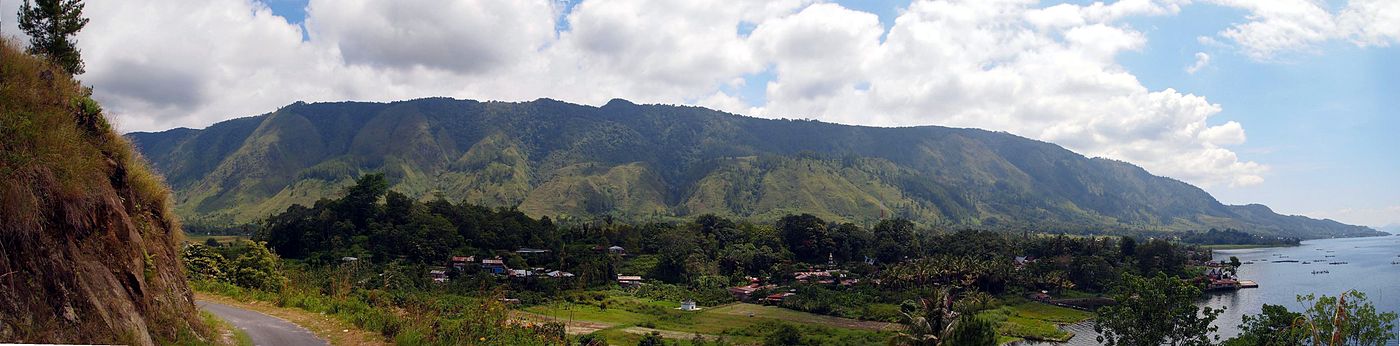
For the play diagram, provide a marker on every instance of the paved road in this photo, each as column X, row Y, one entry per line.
column 263, row 329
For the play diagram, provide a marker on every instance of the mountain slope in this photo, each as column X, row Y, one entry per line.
column 87, row 239
column 552, row 158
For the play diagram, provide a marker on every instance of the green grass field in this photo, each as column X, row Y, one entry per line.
column 625, row 317
column 220, row 238
column 1033, row 320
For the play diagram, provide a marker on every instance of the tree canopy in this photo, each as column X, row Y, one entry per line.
column 50, row 25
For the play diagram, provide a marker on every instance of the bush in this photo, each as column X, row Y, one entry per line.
column 593, row 339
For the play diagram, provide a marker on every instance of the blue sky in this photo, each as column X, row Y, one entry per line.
column 1286, row 103
column 1323, row 121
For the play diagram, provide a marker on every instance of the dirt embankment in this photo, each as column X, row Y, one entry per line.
column 87, row 241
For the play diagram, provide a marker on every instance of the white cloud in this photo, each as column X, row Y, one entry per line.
column 1009, row 65
column 1047, row 73
column 1275, row 27
column 1202, row 59
column 453, row 36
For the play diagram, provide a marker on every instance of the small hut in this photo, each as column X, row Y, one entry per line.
column 689, row 305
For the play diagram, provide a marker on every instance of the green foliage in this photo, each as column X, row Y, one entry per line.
column 1235, row 237
column 807, row 236
column 1160, row 256
column 50, row 24
column 1348, row 319
column 1156, row 310
column 407, row 317
column 1274, row 326
column 592, row 339
column 358, row 225
column 203, row 263
column 256, row 267
column 972, row 331
column 785, row 335
column 652, row 339
column 927, row 321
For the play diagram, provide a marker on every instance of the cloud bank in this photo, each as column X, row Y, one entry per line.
column 1044, row 72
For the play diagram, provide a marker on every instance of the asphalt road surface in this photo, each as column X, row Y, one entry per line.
column 263, row 329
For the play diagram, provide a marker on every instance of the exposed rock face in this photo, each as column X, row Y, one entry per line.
column 87, row 242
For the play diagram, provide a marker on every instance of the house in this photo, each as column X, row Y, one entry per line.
column 1039, row 296
column 617, row 250
column 629, row 280
column 743, row 293
column 494, row 266
column 778, row 297
column 819, row 276
column 438, row 275
column 559, row 274
column 530, row 251
column 521, row 273
column 349, row 259
column 461, row 262
column 688, row 305
column 1022, row 261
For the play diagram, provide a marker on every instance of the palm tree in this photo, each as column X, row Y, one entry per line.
column 928, row 321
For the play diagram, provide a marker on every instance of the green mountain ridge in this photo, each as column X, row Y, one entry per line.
column 660, row 162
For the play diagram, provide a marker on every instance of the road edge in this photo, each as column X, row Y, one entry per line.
column 329, row 328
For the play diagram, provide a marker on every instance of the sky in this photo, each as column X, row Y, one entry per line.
column 1288, row 103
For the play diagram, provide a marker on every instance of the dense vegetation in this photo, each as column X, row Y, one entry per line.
column 648, row 163
column 1235, row 237
column 895, row 271
column 1347, row 319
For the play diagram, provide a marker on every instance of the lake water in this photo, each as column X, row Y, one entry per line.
column 1368, row 270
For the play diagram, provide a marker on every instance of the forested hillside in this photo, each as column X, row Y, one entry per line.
column 660, row 162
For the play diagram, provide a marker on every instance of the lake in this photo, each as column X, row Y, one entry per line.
column 1368, row 270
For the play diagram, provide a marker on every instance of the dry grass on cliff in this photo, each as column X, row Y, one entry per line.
column 87, row 235
column 56, row 146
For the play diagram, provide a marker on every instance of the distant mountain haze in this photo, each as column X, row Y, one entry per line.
column 662, row 162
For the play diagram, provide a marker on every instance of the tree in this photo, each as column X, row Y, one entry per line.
column 211, row 242
column 1127, row 246
column 972, row 331
column 1159, row 310
column 894, row 239
column 203, row 262
column 1159, row 255
column 49, row 24
column 257, row 267
column 1348, row 319
column 786, row 335
column 652, row 339
column 926, row 321
column 1274, row 326
column 807, row 237
column 592, row 339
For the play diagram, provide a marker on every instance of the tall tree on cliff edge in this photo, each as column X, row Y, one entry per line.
column 50, row 25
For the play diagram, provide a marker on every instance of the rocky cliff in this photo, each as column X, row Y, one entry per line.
column 87, row 239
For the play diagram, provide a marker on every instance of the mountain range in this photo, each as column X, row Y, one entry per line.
column 663, row 162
